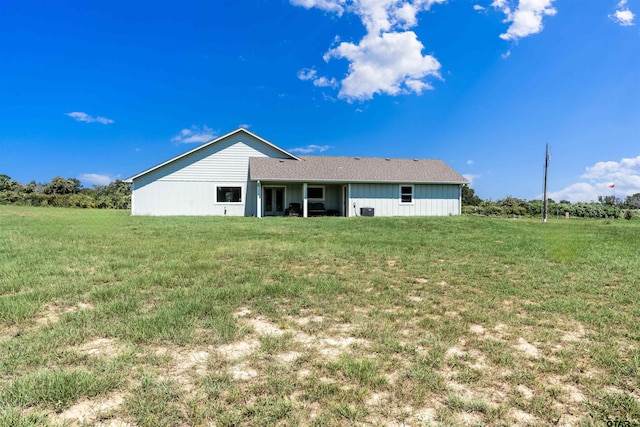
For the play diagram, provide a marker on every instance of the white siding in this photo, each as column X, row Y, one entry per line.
column 428, row 199
column 187, row 186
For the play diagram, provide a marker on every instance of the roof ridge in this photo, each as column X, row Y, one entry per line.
column 372, row 158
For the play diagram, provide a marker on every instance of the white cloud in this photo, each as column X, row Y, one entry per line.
column 625, row 174
column 245, row 126
column 479, row 8
column 95, row 179
column 627, row 171
column 388, row 59
column 84, row 117
column 390, row 63
column 307, row 74
column 311, row 74
column 470, row 162
column 623, row 17
column 470, row 177
column 527, row 17
column 578, row 192
column 195, row 135
column 506, row 54
column 325, row 82
column 336, row 6
column 310, row 149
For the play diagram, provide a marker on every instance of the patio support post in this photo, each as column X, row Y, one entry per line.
column 259, row 199
column 304, row 200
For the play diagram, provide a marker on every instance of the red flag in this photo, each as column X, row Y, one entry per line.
column 612, row 185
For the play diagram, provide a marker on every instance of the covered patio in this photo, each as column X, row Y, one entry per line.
column 302, row 199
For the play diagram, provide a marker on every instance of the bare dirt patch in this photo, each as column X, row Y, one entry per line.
column 376, row 399
column 242, row 372
column 88, row 411
column 425, row 416
column 53, row 312
column 114, row 423
column 9, row 333
column 525, row 391
column 303, row 321
column 101, row 347
column 184, row 366
column 576, row 335
column 522, row 418
column 477, row 329
column 469, row 418
column 528, row 349
column 330, row 343
column 264, row 327
column 196, row 359
column 332, row 348
column 239, row 349
column 289, row 357
column 242, row 312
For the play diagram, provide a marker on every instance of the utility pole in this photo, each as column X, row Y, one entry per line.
column 546, row 168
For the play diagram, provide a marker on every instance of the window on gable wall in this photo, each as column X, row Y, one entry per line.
column 229, row 195
column 406, row 194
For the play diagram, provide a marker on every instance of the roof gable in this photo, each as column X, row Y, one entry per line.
column 208, row 144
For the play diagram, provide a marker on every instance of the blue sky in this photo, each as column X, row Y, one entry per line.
column 104, row 90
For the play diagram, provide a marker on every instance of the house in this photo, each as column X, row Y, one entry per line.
column 242, row 174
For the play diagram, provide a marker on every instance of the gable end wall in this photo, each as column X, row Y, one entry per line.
column 187, row 186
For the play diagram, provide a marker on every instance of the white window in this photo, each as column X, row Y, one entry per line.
column 315, row 192
column 406, row 194
column 228, row 194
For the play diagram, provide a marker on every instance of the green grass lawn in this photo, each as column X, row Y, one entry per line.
column 107, row 319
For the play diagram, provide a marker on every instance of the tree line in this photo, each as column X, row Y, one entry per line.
column 65, row 192
column 605, row 207
column 69, row 192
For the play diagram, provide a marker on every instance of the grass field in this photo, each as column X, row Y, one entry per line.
column 107, row 319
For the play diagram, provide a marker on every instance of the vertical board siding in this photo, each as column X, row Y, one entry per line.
column 190, row 198
column 428, row 199
column 187, row 186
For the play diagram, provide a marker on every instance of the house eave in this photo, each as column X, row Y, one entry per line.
column 355, row 181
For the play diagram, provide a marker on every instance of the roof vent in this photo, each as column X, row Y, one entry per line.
column 281, row 161
column 357, row 158
column 388, row 159
column 415, row 160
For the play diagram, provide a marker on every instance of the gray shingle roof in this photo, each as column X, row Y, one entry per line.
column 353, row 169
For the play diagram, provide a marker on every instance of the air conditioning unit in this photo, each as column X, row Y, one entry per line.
column 366, row 211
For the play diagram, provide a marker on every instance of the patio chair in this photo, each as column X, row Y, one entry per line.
column 295, row 209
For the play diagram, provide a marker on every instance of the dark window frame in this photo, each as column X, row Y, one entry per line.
column 316, row 187
column 229, row 194
column 407, row 197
